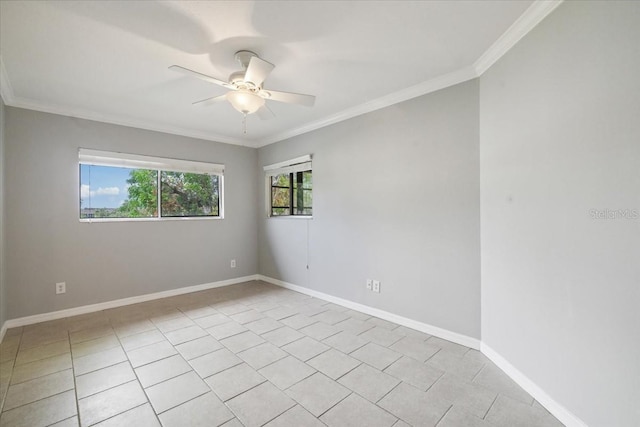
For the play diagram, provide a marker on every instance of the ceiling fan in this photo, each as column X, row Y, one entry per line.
column 246, row 93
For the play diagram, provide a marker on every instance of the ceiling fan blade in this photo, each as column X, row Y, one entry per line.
column 265, row 113
column 291, row 98
column 257, row 71
column 204, row 77
column 211, row 101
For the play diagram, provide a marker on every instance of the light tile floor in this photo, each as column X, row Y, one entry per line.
column 251, row 354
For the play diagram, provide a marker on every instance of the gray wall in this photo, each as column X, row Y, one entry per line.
column 560, row 136
column 396, row 198
column 3, row 299
column 45, row 242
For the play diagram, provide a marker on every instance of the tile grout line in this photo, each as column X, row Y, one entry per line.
column 38, row 400
column 15, row 359
column 136, row 375
column 376, row 402
column 444, row 415
column 228, row 368
column 296, row 404
column 349, row 371
column 13, row 367
column 239, row 394
column 466, row 352
column 108, row 388
column 120, row 413
column 434, row 383
column 313, row 357
column 432, row 356
column 66, row 419
column 179, row 404
column 380, row 407
column 284, row 345
column 39, row 376
column 387, row 393
column 268, row 364
column 99, row 369
column 336, row 404
column 478, row 373
column 300, row 380
column 73, row 374
column 42, row 398
column 491, row 406
column 277, row 416
column 166, row 379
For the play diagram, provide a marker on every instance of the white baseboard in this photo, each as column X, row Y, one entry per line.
column 404, row 321
column 3, row 331
column 37, row 318
column 556, row 409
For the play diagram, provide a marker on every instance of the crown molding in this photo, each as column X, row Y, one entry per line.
column 525, row 23
column 538, row 10
column 531, row 17
column 432, row 85
column 30, row 104
column 6, row 91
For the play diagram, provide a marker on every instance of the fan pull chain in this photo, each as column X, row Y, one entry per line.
column 244, row 123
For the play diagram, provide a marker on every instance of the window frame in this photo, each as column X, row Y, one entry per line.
column 291, row 167
column 159, row 164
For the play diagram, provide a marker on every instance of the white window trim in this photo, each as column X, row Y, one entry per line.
column 298, row 164
column 137, row 161
column 275, row 168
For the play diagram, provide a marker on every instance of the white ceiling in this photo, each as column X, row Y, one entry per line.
column 107, row 60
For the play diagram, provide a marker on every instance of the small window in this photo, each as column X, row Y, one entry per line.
column 110, row 188
column 290, row 188
column 284, row 201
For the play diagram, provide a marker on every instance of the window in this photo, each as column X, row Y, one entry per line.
column 189, row 194
column 116, row 192
column 290, row 188
column 118, row 185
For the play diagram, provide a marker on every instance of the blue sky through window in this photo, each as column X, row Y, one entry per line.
column 103, row 186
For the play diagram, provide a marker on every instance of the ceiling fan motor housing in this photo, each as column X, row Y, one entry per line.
column 244, row 57
column 237, row 78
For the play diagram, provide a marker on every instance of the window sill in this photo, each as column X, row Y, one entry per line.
column 290, row 217
column 192, row 218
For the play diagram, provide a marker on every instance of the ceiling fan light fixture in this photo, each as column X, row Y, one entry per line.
column 244, row 101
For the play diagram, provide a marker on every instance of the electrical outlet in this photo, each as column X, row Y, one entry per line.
column 369, row 284
column 233, row 263
column 376, row 286
column 61, row 288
